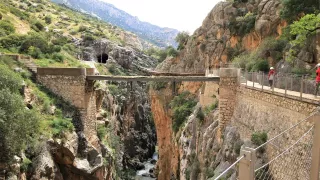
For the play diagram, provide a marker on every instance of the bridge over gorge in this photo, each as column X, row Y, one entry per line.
column 76, row 85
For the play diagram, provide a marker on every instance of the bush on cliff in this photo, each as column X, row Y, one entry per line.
column 6, row 28
column 292, row 9
column 258, row 138
column 18, row 125
column 182, row 106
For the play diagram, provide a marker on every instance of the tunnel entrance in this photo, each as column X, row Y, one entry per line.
column 102, row 58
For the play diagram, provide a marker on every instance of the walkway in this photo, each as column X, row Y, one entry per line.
column 282, row 92
column 155, row 78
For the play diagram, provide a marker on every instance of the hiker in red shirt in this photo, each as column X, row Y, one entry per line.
column 271, row 75
column 317, row 79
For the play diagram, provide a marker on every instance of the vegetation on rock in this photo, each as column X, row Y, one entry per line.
column 182, row 106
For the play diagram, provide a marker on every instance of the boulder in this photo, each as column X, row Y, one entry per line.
column 44, row 166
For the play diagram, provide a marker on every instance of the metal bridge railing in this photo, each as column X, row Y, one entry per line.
column 302, row 86
column 294, row 154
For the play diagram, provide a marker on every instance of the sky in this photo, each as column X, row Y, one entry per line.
column 184, row 15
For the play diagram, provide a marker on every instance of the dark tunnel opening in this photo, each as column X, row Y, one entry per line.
column 102, row 58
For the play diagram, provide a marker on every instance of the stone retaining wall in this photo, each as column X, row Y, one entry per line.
column 72, row 86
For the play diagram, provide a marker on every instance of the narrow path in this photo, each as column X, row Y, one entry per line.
column 282, row 91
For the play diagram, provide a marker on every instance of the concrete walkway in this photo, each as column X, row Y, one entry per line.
column 281, row 91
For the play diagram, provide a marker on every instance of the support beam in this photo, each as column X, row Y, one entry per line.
column 174, row 86
column 315, row 156
column 155, row 78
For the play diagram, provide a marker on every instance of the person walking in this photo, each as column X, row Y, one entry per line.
column 317, row 79
column 271, row 76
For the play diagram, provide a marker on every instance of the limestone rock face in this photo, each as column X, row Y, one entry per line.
column 126, row 57
column 213, row 43
column 268, row 17
column 132, row 118
column 200, row 148
column 45, row 167
column 72, row 158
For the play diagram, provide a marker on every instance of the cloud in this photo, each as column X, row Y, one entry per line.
column 184, row 15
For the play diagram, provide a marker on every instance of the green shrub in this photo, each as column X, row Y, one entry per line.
column 9, row 80
column 60, row 126
column 304, row 28
column 200, row 115
column 17, row 125
column 213, row 106
column 293, row 8
column 12, row 41
column 242, row 25
column 88, row 37
column 22, row 15
column 182, row 38
column 6, row 28
column 182, row 106
column 37, row 26
column 34, row 52
column 171, row 51
column 58, row 57
column 48, row 19
column 101, row 131
column 258, row 138
column 36, row 41
column 25, row 164
column 260, row 65
column 82, row 29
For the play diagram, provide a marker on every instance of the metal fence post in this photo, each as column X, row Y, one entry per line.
column 246, row 164
column 286, row 88
column 262, row 81
column 291, row 83
column 315, row 156
column 253, row 78
column 246, row 76
column 301, row 87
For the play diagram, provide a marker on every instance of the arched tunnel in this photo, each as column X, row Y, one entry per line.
column 102, row 58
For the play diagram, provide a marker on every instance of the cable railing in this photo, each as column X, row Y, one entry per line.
column 292, row 163
column 226, row 172
column 292, row 154
column 302, row 86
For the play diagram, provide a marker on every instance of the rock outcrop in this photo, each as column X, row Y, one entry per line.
column 104, row 51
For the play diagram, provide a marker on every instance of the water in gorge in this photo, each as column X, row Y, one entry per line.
column 149, row 165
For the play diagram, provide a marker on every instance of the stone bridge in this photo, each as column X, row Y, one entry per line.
column 76, row 85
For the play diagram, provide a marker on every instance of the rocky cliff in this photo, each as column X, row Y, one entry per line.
column 244, row 33
column 239, row 28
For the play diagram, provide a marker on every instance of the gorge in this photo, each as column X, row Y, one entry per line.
column 79, row 127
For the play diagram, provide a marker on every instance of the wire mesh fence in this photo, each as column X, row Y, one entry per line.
column 289, row 84
column 292, row 163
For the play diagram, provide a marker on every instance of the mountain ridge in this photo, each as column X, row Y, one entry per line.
column 159, row 36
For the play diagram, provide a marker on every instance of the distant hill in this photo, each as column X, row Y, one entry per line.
column 156, row 35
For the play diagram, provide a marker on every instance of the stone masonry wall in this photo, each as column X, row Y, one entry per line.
column 261, row 111
column 257, row 111
column 227, row 95
column 72, row 86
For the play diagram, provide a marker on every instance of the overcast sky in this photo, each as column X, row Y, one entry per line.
column 184, row 15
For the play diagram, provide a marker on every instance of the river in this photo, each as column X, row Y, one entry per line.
column 148, row 165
